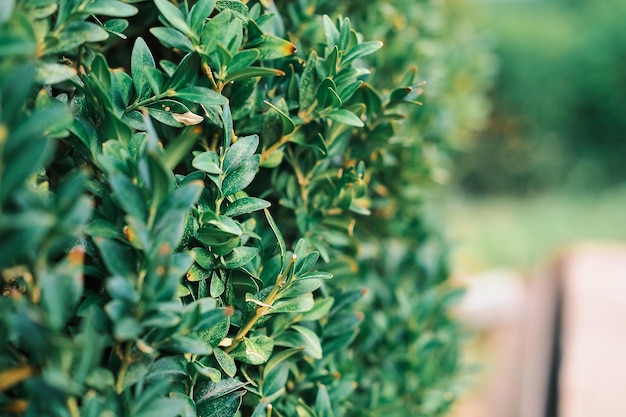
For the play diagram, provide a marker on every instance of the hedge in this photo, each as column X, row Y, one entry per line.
column 214, row 209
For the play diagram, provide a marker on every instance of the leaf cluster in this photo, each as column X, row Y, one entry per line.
column 178, row 232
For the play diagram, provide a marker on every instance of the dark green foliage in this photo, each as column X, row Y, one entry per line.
column 178, row 210
column 558, row 121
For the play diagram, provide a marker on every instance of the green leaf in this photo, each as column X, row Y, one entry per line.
column 251, row 72
column 128, row 196
column 245, row 205
column 117, row 129
column 141, row 59
column 241, row 177
column 347, row 91
column 227, row 121
column 327, row 94
column 315, row 275
column 301, row 287
column 125, row 327
column 345, row 117
column 323, row 406
column 305, row 261
column 103, row 228
column 116, row 27
column 212, row 236
column 273, row 47
column 62, row 287
column 209, row 391
column 275, row 380
column 227, row 225
column 226, row 362
column 119, row 259
column 201, row 95
column 344, row 34
column 208, row 162
column 332, row 34
column 288, row 125
column 279, row 237
column 239, row 9
column 196, row 274
column 203, row 257
column 52, row 73
column 174, row 16
column 206, row 371
column 162, row 407
column 7, row 11
column 199, row 12
column 308, row 83
column 319, row 311
column 186, row 345
column 239, row 152
column 122, row 289
column 186, row 73
column 278, row 359
column 343, row 322
column 301, row 337
column 255, row 350
column 171, row 368
column 361, row 50
column 179, row 148
column 226, row 406
column 171, row 213
column 299, row 304
column 242, row 60
column 110, row 8
column 165, row 111
column 77, row 33
column 239, row 257
column 214, row 334
column 172, row 38
column 217, row 286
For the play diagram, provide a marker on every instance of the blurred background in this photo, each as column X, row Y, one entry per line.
column 555, row 142
column 536, row 209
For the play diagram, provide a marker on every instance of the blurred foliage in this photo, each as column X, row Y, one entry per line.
column 180, row 182
column 558, row 120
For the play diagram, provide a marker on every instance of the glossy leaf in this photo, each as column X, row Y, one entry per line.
column 110, row 8
column 173, row 15
column 246, row 205
column 242, row 176
column 239, row 257
column 254, row 351
column 226, row 362
column 208, row 162
column 141, row 59
column 199, row 12
column 172, row 38
column 240, row 151
column 201, row 95
column 346, row 117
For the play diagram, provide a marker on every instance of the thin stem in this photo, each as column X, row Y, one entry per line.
column 282, row 141
column 303, row 180
column 272, row 297
column 153, row 99
column 72, row 405
column 126, row 360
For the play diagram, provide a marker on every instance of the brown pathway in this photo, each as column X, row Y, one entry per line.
column 593, row 367
column 518, row 349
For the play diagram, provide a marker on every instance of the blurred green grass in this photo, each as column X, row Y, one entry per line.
column 523, row 233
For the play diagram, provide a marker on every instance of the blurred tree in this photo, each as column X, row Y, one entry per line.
column 559, row 101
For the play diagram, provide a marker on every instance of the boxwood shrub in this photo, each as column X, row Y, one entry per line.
column 213, row 208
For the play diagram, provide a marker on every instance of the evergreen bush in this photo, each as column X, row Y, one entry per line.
column 179, row 189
